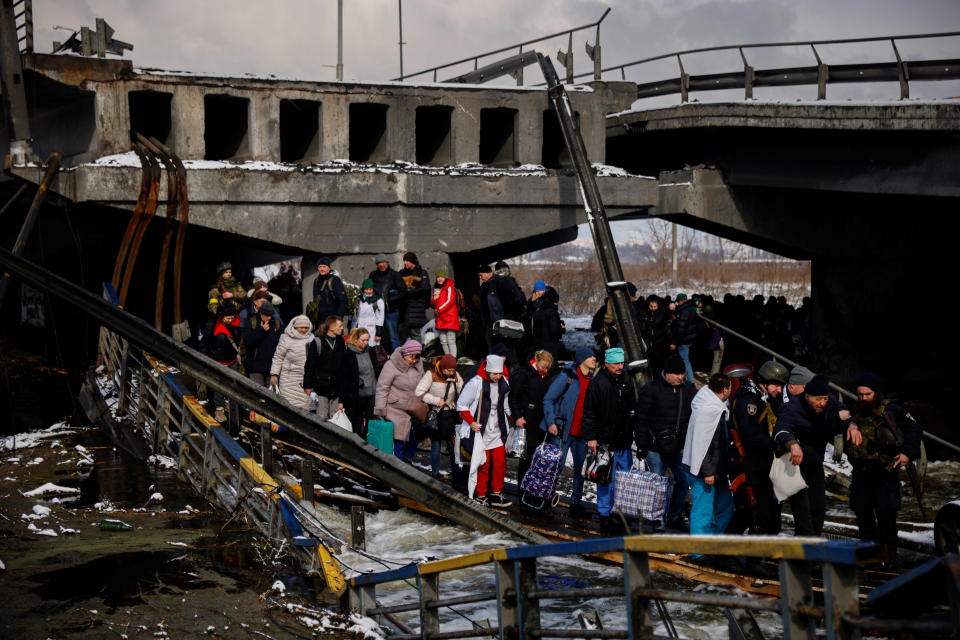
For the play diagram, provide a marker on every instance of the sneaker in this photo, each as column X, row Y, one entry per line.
column 481, row 500
column 219, row 415
column 497, row 501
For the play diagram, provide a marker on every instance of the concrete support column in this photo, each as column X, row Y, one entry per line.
column 113, row 119
column 264, row 127
column 402, row 131
column 336, row 128
column 465, row 129
column 186, row 134
column 529, row 135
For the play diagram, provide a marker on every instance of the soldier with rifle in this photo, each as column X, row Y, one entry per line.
column 891, row 441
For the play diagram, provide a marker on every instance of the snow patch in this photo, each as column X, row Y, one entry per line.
column 50, row 488
column 33, row 438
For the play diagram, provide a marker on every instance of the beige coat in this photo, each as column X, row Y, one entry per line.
column 395, row 391
column 432, row 392
column 288, row 362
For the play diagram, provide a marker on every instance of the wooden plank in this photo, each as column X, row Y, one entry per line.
column 462, row 562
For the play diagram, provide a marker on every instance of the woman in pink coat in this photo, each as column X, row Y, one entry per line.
column 444, row 302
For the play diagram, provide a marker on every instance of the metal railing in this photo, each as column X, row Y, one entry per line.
column 23, row 21
column 842, row 391
column 152, row 400
column 518, row 596
column 565, row 58
column 820, row 74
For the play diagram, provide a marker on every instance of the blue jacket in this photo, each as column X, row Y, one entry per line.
column 561, row 400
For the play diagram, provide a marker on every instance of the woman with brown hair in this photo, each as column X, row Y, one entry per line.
column 325, row 357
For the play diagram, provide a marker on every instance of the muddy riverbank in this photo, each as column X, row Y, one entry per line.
column 182, row 570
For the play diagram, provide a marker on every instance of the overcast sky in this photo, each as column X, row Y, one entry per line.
column 297, row 38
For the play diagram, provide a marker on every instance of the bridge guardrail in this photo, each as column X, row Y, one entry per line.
column 518, row 595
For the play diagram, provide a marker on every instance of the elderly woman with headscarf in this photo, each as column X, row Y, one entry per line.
column 396, row 398
column 286, row 371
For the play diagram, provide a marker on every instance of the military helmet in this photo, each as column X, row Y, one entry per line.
column 224, row 266
column 773, row 371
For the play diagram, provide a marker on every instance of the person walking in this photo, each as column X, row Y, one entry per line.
column 323, row 368
column 261, row 335
column 528, row 386
column 371, row 312
column 289, row 360
column 415, row 295
column 446, row 303
column 396, row 395
column 607, row 420
column 358, row 380
column 705, row 458
column 389, row 286
column 438, row 389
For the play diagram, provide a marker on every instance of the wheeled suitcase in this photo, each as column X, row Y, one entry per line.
column 641, row 494
column 380, row 435
column 537, row 488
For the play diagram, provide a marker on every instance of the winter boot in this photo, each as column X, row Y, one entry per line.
column 497, row 501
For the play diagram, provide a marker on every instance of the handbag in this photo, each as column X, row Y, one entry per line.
column 381, row 355
column 418, row 410
column 785, row 477
column 598, row 467
column 447, row 419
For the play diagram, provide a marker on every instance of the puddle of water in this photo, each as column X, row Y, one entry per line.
column 122, row 579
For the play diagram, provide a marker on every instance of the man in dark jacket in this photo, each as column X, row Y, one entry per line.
column 684, row 331
column 663, row 411
column 546, row 326
column 390, row 286
column 498, row 300
column 528, row 386
column 891, row 440
column 607, row 418
column 415, row 296
column 329, row 296
column 261, row 333
column 754, row 418
column 804, row 427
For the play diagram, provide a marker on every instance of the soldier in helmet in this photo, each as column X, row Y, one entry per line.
column 226, row 288
column 891, row 439
column 754, row 414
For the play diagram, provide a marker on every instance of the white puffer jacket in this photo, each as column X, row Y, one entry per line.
column 288, row 362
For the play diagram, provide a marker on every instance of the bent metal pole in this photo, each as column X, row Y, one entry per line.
column 599, row 227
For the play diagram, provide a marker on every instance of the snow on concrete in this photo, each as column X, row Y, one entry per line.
column 50, row 488
column 34, row 438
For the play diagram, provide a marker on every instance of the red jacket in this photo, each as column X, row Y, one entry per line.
column 445, row 304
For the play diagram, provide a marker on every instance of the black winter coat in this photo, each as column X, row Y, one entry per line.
column 415, row 296
column 608, row 410
column 509, row 295
column 389, row 285
column 349, row 377
column 527, row 390
column 331, row 297
column 322, row 371
column 218, row 344
column 260, row 344
column 663, row 412
column 750, row 416
column 797, row 421
column 684, row 330
column 546, row 329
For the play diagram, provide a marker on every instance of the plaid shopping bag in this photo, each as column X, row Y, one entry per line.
column 641, row 493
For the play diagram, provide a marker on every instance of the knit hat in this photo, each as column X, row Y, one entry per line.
column 411, row 347
column 381, row 258
column 681, row 297
column 410, row 256
column 448, row 362
column 366, row 284
column 228, row 308
column 501, row 265
column 324, row 260
column 674, row 364
column 494, row 364
column 867, row 379
column 818, row 386
column 266, row 308
column 614, row 356
column 800, row 375
column 301, row 321
column 441, row 273
column 582, row 353
column 484, row 268
column 539, row 285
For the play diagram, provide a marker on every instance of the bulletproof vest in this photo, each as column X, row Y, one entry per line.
column 879, row 440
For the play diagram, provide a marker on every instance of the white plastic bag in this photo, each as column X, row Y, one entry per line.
column 341, row 420
column 786, row 478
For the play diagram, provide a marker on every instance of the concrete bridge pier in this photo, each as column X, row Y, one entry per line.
column 880, row 267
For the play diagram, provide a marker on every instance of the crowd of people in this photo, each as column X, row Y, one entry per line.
column 362, row 351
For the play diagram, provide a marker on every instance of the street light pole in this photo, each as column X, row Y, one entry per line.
column 339, row 39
